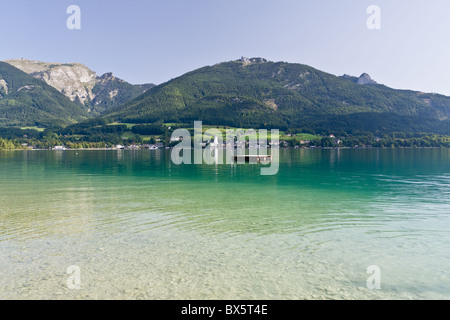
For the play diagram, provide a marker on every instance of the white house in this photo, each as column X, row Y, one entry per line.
column 176, row 139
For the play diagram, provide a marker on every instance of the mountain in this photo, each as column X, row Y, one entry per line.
column 262, row 94
column 82, row 85
column 27, row 101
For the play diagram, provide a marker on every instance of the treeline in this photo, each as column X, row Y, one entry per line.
column 52, row 139
column 149, row 129
column 6, row 144
column 392, row 140
column 397, row 139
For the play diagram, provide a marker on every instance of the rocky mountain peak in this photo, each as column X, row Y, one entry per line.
column 108, row 75
column 247, row 61
column 365, row 79
column 107, row 78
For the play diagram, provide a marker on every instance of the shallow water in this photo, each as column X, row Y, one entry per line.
column 140, row 227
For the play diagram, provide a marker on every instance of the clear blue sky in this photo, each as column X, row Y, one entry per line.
column 154, row 41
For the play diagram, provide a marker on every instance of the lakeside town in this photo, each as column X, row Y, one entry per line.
column 116, row 136
column 334, row 143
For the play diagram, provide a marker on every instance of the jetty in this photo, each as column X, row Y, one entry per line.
column 252, row 158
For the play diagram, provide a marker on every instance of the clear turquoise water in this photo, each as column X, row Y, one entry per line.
column 139, row 227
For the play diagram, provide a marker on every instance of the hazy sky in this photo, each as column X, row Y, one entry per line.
column 154, row 41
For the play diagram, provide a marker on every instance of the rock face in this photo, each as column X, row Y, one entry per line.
column 82, row 85
column 365, row 79
column 3, row 88
column 73, row 80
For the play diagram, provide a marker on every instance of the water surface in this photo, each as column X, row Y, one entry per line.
column 140, row 227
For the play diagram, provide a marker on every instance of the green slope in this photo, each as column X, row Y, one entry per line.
column 111, row 92
column 26, row 101
column 256, row 93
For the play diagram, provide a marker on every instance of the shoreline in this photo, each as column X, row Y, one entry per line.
column 144, row 149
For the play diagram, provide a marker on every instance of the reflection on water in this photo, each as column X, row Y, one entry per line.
column 139, row 226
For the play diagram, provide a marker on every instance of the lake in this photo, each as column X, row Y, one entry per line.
column 136, row 226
